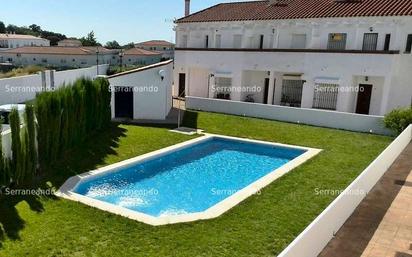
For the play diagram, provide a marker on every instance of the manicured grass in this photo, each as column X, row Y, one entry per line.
column 262, row 225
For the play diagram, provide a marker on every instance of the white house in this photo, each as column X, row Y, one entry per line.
column 162, row 46
column 344, row 55
column 56, row 56
column 144, row 93
column 8, row 41
column 137, row 56
column 70, row 42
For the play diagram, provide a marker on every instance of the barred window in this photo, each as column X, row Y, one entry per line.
column 292, row 93
column 223, row 87
column 326, row 96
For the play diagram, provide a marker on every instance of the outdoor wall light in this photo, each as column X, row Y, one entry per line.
column 162, row 74
column 366, row 78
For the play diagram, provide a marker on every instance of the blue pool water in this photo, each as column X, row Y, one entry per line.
column 189, row 180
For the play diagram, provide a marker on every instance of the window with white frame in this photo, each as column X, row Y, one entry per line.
column 337, row 41
column 325, row 96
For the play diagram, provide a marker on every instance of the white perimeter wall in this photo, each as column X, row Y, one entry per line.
column 21, row 89
column 316, row 236
column 6, row 142
column 147, row 103
column 321, row 118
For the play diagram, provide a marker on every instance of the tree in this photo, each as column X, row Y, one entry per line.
column 16, row 146
column 113, row 45
column 89, row 40
column 35, row 28
column 129, row 46
column 2, row 27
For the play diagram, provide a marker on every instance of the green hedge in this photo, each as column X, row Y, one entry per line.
column 66, row 117
column 398, row 120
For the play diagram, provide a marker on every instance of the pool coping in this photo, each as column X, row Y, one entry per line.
column 215, row 211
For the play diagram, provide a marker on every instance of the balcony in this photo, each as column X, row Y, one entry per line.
column 287, row 50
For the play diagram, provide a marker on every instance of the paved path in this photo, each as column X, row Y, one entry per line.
column 381, row 226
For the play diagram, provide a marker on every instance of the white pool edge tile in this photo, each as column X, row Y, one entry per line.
column 66, row 190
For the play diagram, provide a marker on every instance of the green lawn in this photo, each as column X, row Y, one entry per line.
column 262, row 225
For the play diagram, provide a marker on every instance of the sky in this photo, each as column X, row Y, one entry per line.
column 122, row 20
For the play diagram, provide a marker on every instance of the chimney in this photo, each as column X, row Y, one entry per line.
column 187, row 7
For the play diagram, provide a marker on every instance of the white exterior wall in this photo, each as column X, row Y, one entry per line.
column 16, row 43
column 139, row 59
column 58, row 60
column 166, row 50
column 148, row 104
column 21, row 89
column 388, row 73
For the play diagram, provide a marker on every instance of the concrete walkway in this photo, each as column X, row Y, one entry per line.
column 381, row 226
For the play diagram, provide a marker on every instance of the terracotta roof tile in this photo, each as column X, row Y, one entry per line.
column 300, row 9
column 155, row 43
column 138, row 51
column 57, row 50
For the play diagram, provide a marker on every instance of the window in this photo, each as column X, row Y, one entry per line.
column 337, row 41
column 218, row 42
column 387, row 43
column 298, row 41
column 261, row 40
column 223, row 87
column 370, row 41
column 44, row 60
column 63, row 61
column 237, row 41
column 292, row 92
column 207, row 41
column 326, row 96
column 408, row 44
column 184, row 41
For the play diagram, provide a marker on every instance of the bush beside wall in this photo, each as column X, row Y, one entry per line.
column 65, row 118
column 398, row 120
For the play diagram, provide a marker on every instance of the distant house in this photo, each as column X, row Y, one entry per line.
column 58, row 56
column 166, row 48
column 136, row 56
column 70, row 43
column 9, row 41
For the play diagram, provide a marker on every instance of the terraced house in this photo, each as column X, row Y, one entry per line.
column 344, row 55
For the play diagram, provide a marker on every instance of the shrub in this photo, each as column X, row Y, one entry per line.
column 66, row 117
column 398, row 120
column 16, row 163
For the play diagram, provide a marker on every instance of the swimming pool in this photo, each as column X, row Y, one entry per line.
column 199, row 179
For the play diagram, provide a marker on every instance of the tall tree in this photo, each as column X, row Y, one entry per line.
column 129, row 46
column 2, row 27
column 35, row 28
column 89, row 40
column 113, row 45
